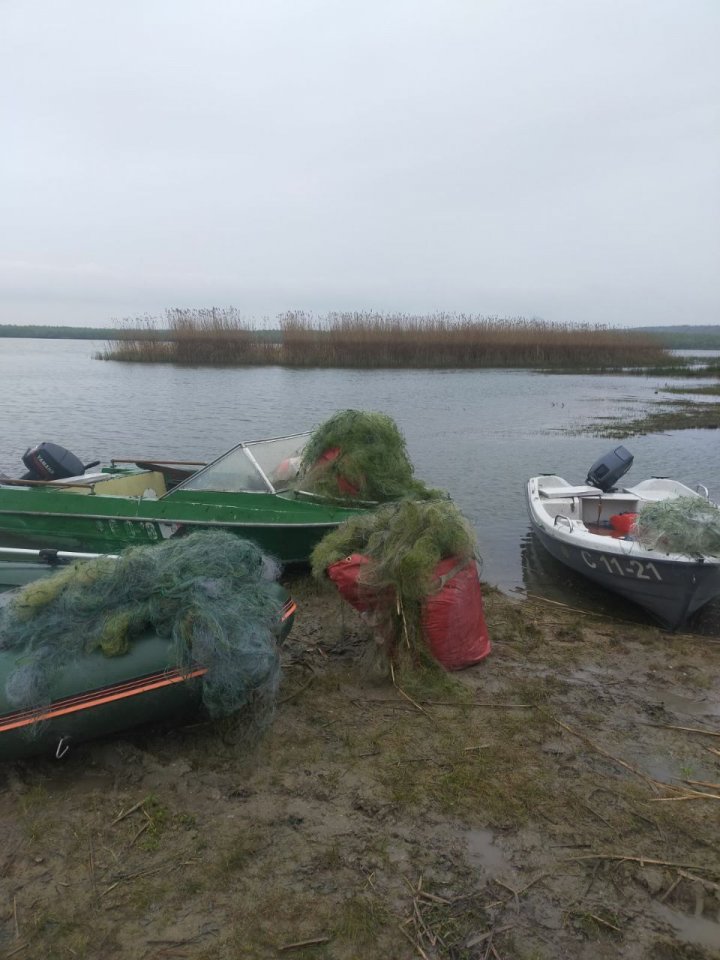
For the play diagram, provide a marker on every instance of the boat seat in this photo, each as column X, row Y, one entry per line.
column 567, row 491
column 653, row 493
column 81, row 480
column 150, row 484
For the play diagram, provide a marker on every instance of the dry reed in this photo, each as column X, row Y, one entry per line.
column 460, row 341
column 375, row 340
column 203, row 337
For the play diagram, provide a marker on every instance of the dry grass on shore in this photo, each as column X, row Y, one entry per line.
column 374, row 340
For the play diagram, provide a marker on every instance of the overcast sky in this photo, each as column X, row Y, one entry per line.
column 553, row 158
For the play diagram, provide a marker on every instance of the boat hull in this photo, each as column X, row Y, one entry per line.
column 670, row 590
column 20, row 573
column 95, row 696
column 285, row 527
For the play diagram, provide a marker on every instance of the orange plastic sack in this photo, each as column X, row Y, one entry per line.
column 453, row 619
column 345, row 574
column 344, row 485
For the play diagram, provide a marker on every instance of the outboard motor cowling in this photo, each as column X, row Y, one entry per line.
column 49, row 461
column 606, row 471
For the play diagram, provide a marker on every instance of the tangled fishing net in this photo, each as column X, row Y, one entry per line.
column 211, row 593
column 687, row 525
column 359, row 455
column 404, row 542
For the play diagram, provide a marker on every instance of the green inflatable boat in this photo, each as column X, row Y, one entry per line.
column 85, row 693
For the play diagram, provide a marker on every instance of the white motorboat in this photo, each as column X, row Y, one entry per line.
column 590, row 529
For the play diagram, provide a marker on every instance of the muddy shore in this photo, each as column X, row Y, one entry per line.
column 560, row 799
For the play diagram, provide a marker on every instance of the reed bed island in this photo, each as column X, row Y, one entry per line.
column 376, row 340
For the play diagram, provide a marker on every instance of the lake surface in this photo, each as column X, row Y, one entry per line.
column 478, row 434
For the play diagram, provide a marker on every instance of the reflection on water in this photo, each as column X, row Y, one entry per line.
column 484, row 854
column 544, row 576
column 477, row 433
column 697, row 929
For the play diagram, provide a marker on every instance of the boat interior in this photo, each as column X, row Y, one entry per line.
column 594, row 508
column 149, row 485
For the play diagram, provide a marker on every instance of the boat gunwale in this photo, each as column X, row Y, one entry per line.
column 167, row 520
column 98, row 697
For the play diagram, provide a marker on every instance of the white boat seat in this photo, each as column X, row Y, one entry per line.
column 568, row 491
column 658, row 489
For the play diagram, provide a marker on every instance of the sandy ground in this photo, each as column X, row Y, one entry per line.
column 543, row 804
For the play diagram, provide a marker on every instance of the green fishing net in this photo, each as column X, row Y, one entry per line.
column 359, row 455
column 687, row 525
column 211, row 593
column 405, row 541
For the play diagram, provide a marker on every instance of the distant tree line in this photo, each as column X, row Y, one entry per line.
column 687, row 337
column 678, row 337
column 36, row 331
column 58, row 333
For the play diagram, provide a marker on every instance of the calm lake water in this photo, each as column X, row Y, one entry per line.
column 478, row 434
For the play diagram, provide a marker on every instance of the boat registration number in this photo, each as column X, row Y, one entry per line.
column 625, row 566
column 143, row 531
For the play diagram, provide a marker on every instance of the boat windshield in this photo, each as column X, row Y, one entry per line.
column 263, row 466
column 279, row 459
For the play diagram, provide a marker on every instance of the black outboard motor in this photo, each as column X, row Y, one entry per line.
column 49, row 461
column 606, row 471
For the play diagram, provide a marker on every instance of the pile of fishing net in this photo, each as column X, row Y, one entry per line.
column 211, row 593
column 687, row 525
column 359, row 455
column 410, row 569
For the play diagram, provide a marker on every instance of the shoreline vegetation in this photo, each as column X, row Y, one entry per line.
column 373, row 340
column 662, row 417
column 679, row 337
column 26, row 331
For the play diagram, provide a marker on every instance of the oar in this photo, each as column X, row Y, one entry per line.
column 50, row 556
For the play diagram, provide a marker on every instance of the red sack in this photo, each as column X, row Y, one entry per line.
column 332, row 453
column 344, row 485
column 453, row 619
column 345, row 574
